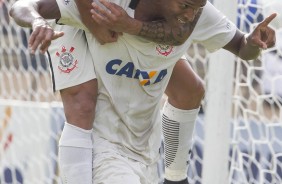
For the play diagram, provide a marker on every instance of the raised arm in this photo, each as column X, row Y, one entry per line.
column 249, row 46
column 32, row 13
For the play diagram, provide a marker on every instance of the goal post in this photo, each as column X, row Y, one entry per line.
column 241, row 143
column 218, row 109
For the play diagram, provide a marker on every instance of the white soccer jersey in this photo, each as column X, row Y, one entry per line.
column 132, row 76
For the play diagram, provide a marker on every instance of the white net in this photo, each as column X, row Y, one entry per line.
column 30, row 129
column 23, row 76
column 255, row 151
column 30, row 122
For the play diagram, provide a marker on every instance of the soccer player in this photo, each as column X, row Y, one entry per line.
column 172, row 165
column 76, row 82
column 79, row 96
column 73, row 103
column 113, row 73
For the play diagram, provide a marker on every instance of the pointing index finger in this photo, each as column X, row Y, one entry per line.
column 267, row 20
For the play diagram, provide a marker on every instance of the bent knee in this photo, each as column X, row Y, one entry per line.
column 189, row 97
column 79, row 102
column 200, row 89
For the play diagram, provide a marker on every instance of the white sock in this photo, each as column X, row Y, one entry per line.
column 178, row 127
column 76, row 155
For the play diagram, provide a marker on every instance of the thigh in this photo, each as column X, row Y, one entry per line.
column 74, row 76
column 80, row 103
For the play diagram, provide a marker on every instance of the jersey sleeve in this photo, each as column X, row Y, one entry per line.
column 213, row 29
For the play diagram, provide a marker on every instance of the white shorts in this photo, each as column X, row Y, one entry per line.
column 70, row 60
column 110, row 167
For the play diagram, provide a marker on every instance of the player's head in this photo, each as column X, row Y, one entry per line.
column 181, row 11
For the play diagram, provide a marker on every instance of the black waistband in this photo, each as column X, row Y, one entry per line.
column 133, row 4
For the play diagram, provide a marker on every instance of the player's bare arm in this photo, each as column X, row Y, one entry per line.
column 115, row 18
column 25, row 13
column 248, row 46
column 101, row 33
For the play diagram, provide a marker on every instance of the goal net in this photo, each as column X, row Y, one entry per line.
column 31, row 116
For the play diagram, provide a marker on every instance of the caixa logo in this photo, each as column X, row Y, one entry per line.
column 116, row 67
column 11, row 176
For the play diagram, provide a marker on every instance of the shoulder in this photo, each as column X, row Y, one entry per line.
column 210, row 11
column 210, row 15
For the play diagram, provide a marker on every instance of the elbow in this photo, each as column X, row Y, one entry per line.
column 17, row 7
column 17, row 11
column 12, row 11
column 14, row 14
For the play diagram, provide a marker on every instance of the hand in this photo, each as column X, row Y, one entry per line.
column 42, row 35
column 263, row 36
column 99, row 31
column 113, row 17
column 104, row 35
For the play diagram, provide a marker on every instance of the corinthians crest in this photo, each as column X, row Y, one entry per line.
column 164, row 50
column 67, row 63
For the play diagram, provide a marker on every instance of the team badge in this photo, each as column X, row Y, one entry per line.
column 67, row 62
column 164, row 50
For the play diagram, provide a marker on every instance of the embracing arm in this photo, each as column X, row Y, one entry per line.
column 25, row 12
column 119, row 21
column 101, row 33
column 161, row 32
column 30, row 13
column 156, row 31
column 248, row 46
